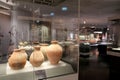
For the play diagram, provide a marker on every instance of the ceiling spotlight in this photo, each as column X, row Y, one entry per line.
column 92, row 26
column 84, row 22
column 99, row 32
column 83, row 27
column 64, row 8
column 52, row 14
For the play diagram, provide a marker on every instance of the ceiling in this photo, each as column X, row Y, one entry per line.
column 47, row 9
column 98, row 11
column 91, row 11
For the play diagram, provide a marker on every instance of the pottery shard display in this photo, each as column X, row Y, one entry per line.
column 54, row 52
column 36, row 58
column 17, row 60
column 43, row 49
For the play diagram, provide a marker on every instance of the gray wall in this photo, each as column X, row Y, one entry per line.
column 4, row 30
column 21, row 31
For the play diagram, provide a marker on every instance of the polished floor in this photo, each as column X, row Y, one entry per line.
column 93, row 67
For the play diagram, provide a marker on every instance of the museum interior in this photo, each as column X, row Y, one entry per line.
column 59, row 39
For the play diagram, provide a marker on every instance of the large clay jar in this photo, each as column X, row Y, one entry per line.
column 43, row 49
column 54, row 52
column 17, row 60
column 36, row 58
column 24, row 53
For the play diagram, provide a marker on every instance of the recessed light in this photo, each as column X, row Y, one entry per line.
column 99, row 32
column 83, row 27
column 92, row 26
column 52, row 14
column 64, row 8
column 84, row 22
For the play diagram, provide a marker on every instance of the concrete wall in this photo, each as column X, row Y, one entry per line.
column 20, row 31
column 4, row 30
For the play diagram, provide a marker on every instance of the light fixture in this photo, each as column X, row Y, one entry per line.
column 84, row 22
column 64, row 8
column 99, row 32
column 92, row 26
column 52, row 14
column 83, row 27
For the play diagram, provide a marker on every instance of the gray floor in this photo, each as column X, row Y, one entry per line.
column 67, row 77
column 93, row 68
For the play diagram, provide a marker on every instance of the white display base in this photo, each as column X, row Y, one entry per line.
column 60, row 68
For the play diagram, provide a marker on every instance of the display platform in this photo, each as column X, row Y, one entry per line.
column 116, row 49
column 44, row 66
column 111, row 53
column 46, row 70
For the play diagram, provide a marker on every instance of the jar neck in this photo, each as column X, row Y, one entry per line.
column 37, row 47
column 16, row 50
column 54, row 42
column 43, row 44
column 22, row 50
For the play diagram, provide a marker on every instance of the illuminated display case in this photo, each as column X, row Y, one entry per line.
column 33, row 23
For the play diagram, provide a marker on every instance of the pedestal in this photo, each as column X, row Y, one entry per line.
column 46, row 70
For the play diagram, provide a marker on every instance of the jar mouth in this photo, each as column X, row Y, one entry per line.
column 54, row 41
column 44, row 44
column 22, row 48
column 36, row 43
column 16, row 50
column 37, row 47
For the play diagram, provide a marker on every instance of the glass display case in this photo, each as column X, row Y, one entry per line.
column 40, row 40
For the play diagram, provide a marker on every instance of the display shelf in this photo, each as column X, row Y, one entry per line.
column 116, row 49
column 105, row 43
column 46, row 70
column 45, row 66
column 112, row 53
